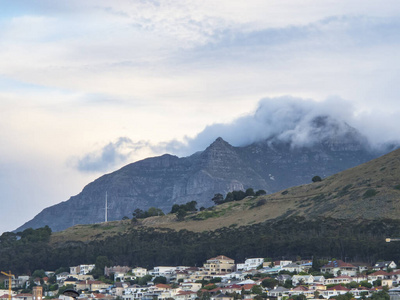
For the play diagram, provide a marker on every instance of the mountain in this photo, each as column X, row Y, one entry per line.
column 346, row 215
column 275, row 164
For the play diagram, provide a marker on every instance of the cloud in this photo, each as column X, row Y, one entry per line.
column 297, row 121
column 111, row 155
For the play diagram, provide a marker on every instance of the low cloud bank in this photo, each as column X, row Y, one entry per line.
column 300, row 122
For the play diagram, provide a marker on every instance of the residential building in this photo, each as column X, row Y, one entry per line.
column 302, row 279
column 339, row 280
column 384, row 265
column 250, row 263
column 339, row 267
column 335, row 291
column 139, row 272
column 218, row 265
column 81, row 269
column 116, row 269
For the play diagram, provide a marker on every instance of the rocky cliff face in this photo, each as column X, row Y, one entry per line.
column 272, row 165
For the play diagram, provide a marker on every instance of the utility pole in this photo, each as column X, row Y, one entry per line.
column 10, row 276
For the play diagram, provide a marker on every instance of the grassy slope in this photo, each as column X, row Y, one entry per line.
column 339, row 196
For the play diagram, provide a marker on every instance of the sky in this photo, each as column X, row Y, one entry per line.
column 89, row 86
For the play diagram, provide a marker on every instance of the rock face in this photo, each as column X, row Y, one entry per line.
column 272, row 165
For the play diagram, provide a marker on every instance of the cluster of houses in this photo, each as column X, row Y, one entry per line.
column 225, row 281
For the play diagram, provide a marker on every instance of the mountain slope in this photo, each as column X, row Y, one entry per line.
column 346, row 195
column 272, row 165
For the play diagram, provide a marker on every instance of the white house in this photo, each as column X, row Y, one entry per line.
column 249, row 264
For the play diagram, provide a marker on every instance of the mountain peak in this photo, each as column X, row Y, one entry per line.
column 220, row 142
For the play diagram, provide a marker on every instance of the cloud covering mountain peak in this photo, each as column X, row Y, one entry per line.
column 292, row 120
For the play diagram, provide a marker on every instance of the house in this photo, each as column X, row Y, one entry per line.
column 16, row 283
column 139, row 272
column 81, row 269
column 278, row 292
column 61, row 277
column 377, row 275
column 282, row 278
column 135, row 291
column 319, row 280
column 116, row 269
column 384, row 265
column 293, row 267
column 191, row 286
column 5, row 292
column 282, row 263
column 302, row 279
column 335, row 291
column 360, row 291
column 233, row 288
column 163, row 271
column 71, row 281
column 250, row 263
column 221, row 297
column 337, row 267
column 339, row 280
column 219, row 265
column 118, row 288
column 23, row 297
column 301, row 290
column 185, row 295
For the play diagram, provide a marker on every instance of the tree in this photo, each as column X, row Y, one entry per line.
column 261, row 192
column 218, row 199
column 269, row 283
column 160, row 279
column 316, row 179
column 256, row 289
column 39, row 273
column 229, row 197
column 181, row 214
column 101, row 263
column 153, row 211
column 175, row 208
column 250, row 192
column 143, row 280
column 138, row 213
column 191, row 206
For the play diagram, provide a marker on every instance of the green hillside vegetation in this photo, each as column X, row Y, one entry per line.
column 346, row 215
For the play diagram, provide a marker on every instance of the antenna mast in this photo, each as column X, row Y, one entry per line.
column 106, row 208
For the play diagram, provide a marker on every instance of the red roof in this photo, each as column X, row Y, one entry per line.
column 338, row 264
column 300, row 288
column 247, row 287
column 186, row 293
column 163, row 286
column 379, row 273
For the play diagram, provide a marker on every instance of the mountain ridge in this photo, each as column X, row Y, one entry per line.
column 273, row 165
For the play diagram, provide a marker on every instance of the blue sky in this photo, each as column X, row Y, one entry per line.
column 88, row 86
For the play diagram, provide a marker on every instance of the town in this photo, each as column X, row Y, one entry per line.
column 220, row 278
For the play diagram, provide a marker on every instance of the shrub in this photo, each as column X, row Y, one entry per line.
column 370, row 193
column 316, row 179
